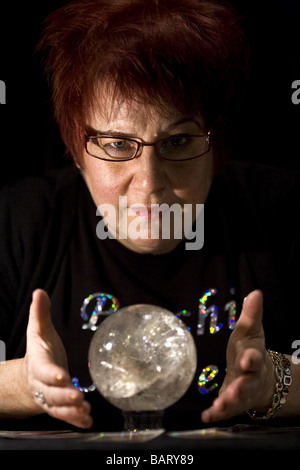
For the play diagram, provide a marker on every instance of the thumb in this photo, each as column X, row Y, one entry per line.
column 41, row 335
column 39, row 313
column 252, row 311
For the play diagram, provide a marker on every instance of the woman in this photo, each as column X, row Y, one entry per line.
column 145, row 93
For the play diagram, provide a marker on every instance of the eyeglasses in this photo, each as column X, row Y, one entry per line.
column 179, row 147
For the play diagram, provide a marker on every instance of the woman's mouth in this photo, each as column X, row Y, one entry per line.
column 153, row 212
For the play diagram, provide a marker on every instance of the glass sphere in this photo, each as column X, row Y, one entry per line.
column 142, row 358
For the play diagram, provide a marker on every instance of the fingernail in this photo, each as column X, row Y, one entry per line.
column 58, row 377
column 72, row 396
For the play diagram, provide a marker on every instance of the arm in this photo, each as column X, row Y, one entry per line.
column 250, row 380
column 44, row 368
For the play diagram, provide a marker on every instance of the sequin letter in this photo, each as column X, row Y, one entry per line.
column 203, row 312
column 106, row 304
column 230, row 307
column 207, row 375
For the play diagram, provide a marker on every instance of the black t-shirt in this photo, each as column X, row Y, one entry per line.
column 48, row 240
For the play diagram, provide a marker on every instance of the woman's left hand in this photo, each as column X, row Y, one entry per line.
column 250, row 381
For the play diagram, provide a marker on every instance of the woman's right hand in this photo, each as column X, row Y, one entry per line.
column 44, row 369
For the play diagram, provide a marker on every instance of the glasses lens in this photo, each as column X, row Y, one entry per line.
column 112, row 147
column 183, row 147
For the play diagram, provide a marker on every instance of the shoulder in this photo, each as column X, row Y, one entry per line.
column 29, row 206
column 258, row 203
column 34, row 196
column 44, row 185
column 265, row 189
column 259, row 176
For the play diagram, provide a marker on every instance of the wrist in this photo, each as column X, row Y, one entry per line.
column 16, row 400
column 283, row 379
column 28, row 404
column 270, row 385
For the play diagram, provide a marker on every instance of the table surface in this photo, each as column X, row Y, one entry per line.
column 238, row 437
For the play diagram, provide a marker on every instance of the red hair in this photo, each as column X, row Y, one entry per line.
column 191, row 54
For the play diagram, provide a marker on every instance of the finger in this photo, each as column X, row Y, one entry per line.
column 252, row 311
column 234, row 401
column 240, row 394
column 66, row 396
column 76, row 415
column 251, row 360
column 50, row 374
column 39, row 330
column 39, row 313
column 65, row 405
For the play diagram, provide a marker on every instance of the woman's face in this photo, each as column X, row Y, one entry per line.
column 146, row 180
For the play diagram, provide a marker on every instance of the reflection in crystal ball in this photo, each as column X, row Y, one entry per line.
column 142, row 358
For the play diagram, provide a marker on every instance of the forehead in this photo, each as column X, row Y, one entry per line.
column 112, row 113
column 109, row 115
column 108, row 107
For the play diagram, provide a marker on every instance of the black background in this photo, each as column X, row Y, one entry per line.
column 269, row 124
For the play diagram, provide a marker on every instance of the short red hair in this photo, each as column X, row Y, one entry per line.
column 187, row 53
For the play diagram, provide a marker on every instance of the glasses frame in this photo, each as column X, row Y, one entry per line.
column 142, row 144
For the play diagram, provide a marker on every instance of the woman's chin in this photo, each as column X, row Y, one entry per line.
column 149, row 245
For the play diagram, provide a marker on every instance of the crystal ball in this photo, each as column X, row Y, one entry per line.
column 142, row 358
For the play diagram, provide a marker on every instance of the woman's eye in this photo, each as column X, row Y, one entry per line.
column 176, row 142
column 119, row 145
column 118, row 148
column 179, row 140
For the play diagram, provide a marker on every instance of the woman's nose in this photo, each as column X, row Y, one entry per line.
column 150, row 176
